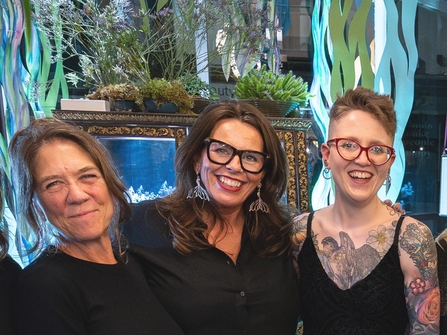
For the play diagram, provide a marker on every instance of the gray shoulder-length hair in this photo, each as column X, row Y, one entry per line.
column 23, row 150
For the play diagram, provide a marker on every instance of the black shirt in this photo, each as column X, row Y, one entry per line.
column 61, row 295
column 205, row 292
column 9, row 271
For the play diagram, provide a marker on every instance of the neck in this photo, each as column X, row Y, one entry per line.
column 91, row 251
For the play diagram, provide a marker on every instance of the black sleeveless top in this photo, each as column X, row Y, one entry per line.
column 373, row 305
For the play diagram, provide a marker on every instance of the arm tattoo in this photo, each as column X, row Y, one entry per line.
column 422, row 293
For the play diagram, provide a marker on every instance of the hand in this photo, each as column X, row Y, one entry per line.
column 396, row 206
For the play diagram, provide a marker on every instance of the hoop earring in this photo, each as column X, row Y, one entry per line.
column 259, row 204
column 198, row 191
column 387, row 181
column 327, row 173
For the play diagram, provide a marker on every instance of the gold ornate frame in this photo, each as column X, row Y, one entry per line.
column 292, row 132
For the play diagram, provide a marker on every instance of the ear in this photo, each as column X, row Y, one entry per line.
column 392, row 159
column 325, row 153
column 197, row 163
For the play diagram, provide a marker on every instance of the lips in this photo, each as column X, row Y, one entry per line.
column 360, row 175
column 84, row 213
column 229, row 182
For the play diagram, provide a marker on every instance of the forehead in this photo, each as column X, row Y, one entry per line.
column 359, row 125
column 239, row 134
column 59, row 151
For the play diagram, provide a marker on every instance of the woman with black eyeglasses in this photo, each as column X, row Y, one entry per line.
column 364, row 268
column 216, row 251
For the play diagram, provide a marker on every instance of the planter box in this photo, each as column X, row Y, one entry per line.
column 85, row 105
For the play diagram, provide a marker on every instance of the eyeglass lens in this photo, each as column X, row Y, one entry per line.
column 222, row 153
column 350, row 150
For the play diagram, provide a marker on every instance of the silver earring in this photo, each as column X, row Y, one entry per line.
column 198, row 191
column 387, row 181
column 259, row 205
column 327, row 173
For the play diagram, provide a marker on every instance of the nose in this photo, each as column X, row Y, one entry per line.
column 235, row 164
column 363, row 156
column 76, row 194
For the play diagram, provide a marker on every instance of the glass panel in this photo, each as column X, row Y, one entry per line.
column 146, row 165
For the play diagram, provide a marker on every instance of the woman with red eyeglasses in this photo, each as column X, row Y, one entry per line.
column 216, row 252
column 364, row 268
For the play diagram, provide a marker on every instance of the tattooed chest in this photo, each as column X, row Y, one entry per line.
column 344, row 263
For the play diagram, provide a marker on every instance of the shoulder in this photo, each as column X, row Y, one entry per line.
column 414, row 230
column 48, row 267
column 417, row 249
column 299, row 229
column 141, row 209
column 9, row 266
column 146, row 226
column 143, row 213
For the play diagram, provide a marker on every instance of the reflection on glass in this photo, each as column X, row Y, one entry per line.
column 146, row 165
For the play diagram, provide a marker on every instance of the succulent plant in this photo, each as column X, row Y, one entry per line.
column 263, row 84
column 164, row 91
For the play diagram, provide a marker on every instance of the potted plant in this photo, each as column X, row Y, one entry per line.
column 202, row 93
column 274, row 94
column 122, row 97
column 162, row 96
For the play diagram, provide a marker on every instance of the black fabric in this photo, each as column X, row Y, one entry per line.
column 373, row 306
column 205, row 292
column 442, row 275
column 9, row 270
column 59, row 294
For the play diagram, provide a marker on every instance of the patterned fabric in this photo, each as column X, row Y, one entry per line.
column 373, row 305
column 442, row 274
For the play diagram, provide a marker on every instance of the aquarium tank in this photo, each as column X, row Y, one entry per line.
column 146, row 165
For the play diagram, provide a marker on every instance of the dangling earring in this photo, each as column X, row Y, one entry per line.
column 387, row 181
column 327, row 173
column 259, row 204
column 198, row 191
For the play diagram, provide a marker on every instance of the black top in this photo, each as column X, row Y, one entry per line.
column 58, row 294
column 442, row 275
column 205, row 292
column 374, row 305
column 9, row 271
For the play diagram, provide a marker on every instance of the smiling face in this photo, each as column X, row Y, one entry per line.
column 229, row 185
column 359, row 179
column 73, row 193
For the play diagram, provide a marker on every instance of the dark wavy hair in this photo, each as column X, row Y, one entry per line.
column 186, row 217
column 380, row 106
column 24, row 148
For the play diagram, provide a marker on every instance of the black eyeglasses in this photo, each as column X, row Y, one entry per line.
column 221, row 153
column 349, row 150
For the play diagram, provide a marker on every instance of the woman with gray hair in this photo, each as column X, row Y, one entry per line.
column 71, row 198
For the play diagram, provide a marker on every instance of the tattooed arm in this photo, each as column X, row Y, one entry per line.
column 299, row 231
column 419, row 265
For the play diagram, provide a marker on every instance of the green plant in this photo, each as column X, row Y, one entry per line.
column 263, row 84
column 196, row 87
column 93, row 33
column 116, row 92
column 163, row 91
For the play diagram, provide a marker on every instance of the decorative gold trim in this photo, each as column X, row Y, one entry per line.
column 166, row 119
